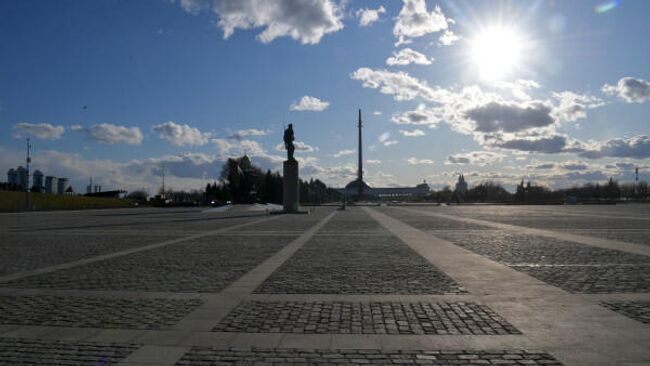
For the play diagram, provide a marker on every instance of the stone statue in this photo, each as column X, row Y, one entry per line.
column 288, row 142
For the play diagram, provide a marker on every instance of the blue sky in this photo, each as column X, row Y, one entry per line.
column 551, row 91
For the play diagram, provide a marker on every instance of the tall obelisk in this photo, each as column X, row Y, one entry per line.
column 360, row 172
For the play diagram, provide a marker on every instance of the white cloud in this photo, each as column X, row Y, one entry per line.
column 298, row 145
column 250, row 132
column 111, row 134
column 181, row 134
column 43, row 131
column 414, row 20
column 390, row 142
column 373, row 161
column 415, row 161
column 407, row 56
column 399, row 84
column 448, row 38
column 344, row 153
column 368, row 16
column 574, row 106
column 637, row 147
column 414, row 133
column 550, row 144
column 510, row 117
column 420, row 116
column 306, row 21
column 631, row 90
column 308, row 103
column 475, row 158
column 377, row 113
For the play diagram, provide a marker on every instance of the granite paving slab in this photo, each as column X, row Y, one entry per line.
column 293, row 356
column 593, row 279
column 94, row 312
column 365, row 318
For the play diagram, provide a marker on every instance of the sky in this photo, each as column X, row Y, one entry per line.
column 556, row 92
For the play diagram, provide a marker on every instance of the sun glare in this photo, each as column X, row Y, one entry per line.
column 496, row 53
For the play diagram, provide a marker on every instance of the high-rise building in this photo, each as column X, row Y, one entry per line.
column 38, row 181
column 62, row 185
column 12, row 177
column 50, row 184
column 21, row 177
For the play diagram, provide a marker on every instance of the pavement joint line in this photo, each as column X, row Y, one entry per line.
column 581, row 239
column 48, row 269
column 566, row 325
column 579, row 214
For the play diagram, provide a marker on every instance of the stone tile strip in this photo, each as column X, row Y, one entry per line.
column 19, row 275
column 94, row 312
column 574, row 330
column 44, row 352
column 588, row 240
column 293, row 356
column 365, row 318
column 637, row 310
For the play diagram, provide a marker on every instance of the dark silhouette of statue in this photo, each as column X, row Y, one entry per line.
column 288, row 142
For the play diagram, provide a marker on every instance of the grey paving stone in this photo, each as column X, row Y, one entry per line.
column 15, row 351
column 631, row 236
column 637, row 310
column 353, row 220
column 365, row 318
column 27, row 251
column 292, row 356
column 358, row 265
column 208, row 264
column 512, row 248
column 94, row 312
column 593, row 279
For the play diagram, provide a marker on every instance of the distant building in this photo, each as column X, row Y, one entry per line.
column 461, row 187
column 12, row 177
column 21, row 177
column 62, row 185
column 38, row 181
column 50, row 184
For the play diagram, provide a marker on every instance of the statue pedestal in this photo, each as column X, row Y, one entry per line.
column 290, row 187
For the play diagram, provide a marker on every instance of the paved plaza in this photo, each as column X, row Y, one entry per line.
column 372, row 285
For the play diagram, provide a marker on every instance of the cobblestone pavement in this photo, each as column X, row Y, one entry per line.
column 353, row 290
column 40, row 352
column 353, row 265
column 292, row 356
column 637, row 236
column 364, row 318
column 512, row 248
column 207, row 264
column 27, row 251
column 94, row 312
column 637, row 310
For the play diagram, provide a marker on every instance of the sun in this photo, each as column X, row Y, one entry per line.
column 497, row 53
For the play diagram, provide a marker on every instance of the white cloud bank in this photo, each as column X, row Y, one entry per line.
column 43, row 131
column 631, row 90
column 475, row 158
column 309, row 103
column 306, row 21
column 414, row 20
column 415, row 161
column 368, row 16
column 181, row 134
column 108, row 133
column 407, row 56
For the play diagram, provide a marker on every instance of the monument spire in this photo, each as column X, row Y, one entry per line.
column 360, row 172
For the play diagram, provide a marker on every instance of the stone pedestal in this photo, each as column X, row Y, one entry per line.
column 290, row 187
